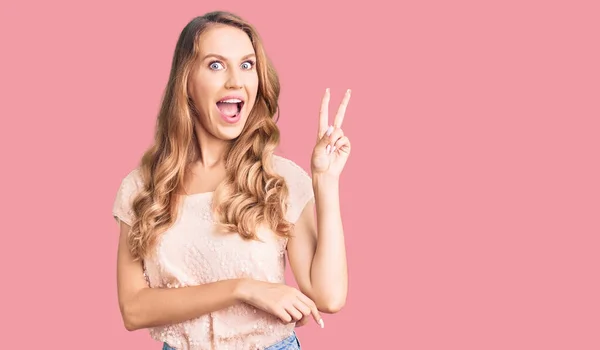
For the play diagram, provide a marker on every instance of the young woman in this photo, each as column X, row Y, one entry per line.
column 208, row 215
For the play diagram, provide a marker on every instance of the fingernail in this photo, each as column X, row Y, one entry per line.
column 349, row 91
column 327, row 90
column 321, row 323
column 328, row 149
column 329, row 130
column 333, row 149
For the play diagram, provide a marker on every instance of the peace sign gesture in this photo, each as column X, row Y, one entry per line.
column 333, row 148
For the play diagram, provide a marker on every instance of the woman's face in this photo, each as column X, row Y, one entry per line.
column 224, row 83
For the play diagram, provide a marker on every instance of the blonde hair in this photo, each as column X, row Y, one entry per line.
column 252, row 193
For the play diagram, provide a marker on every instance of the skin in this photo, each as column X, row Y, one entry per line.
column 317, row 252
column 227, row 66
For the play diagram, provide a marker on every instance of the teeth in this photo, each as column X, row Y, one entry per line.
column 231, row 100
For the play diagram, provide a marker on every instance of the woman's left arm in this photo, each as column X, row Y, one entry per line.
column 317, row 251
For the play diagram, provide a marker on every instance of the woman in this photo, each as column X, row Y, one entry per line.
column 207, row 217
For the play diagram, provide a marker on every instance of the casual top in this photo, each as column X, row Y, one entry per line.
column 192, row 253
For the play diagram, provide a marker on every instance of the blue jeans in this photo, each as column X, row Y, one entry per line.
column 289, row 343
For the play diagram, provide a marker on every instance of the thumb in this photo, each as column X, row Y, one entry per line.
column 303, row 321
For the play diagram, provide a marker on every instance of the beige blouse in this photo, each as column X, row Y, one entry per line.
column 191, row 253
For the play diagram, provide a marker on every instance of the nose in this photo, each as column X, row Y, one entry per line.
column 234, row 80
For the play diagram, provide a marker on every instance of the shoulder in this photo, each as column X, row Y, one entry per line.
column 130, row 186
column 289, row 169
column 299, row 184
column 132, row 181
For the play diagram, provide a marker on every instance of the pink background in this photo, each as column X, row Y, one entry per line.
column 471, row 200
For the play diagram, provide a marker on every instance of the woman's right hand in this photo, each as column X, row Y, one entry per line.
column 285, row 302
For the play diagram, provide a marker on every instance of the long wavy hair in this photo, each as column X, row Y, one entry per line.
column 251, row 193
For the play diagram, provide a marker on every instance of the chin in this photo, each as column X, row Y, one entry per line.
column 229, row 136
column 231, row 132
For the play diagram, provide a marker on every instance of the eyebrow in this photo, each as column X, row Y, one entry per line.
column 225, row 59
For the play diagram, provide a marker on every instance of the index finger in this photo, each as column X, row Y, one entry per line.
column 313, row 308
column 324, row 114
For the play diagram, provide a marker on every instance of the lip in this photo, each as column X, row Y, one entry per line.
column 228, row 97
column 237, row 117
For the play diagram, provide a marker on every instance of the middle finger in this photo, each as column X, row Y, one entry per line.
column 339, row 117
column 305, row 309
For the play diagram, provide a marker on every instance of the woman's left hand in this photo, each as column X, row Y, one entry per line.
column 333, row 148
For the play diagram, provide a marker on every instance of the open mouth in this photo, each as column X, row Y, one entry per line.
column 230, row 107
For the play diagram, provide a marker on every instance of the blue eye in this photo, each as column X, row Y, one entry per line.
column 248, row 65
column 216, row 65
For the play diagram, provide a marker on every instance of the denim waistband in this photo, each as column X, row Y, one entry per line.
column 289, row 343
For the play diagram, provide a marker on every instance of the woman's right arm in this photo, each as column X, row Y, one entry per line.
column 143, row 307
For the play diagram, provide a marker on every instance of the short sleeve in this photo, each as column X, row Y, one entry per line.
column 122, row 206
column 299, row 183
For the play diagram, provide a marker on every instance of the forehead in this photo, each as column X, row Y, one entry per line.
column 226, row 41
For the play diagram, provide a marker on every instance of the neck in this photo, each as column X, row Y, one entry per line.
column 212, row 150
